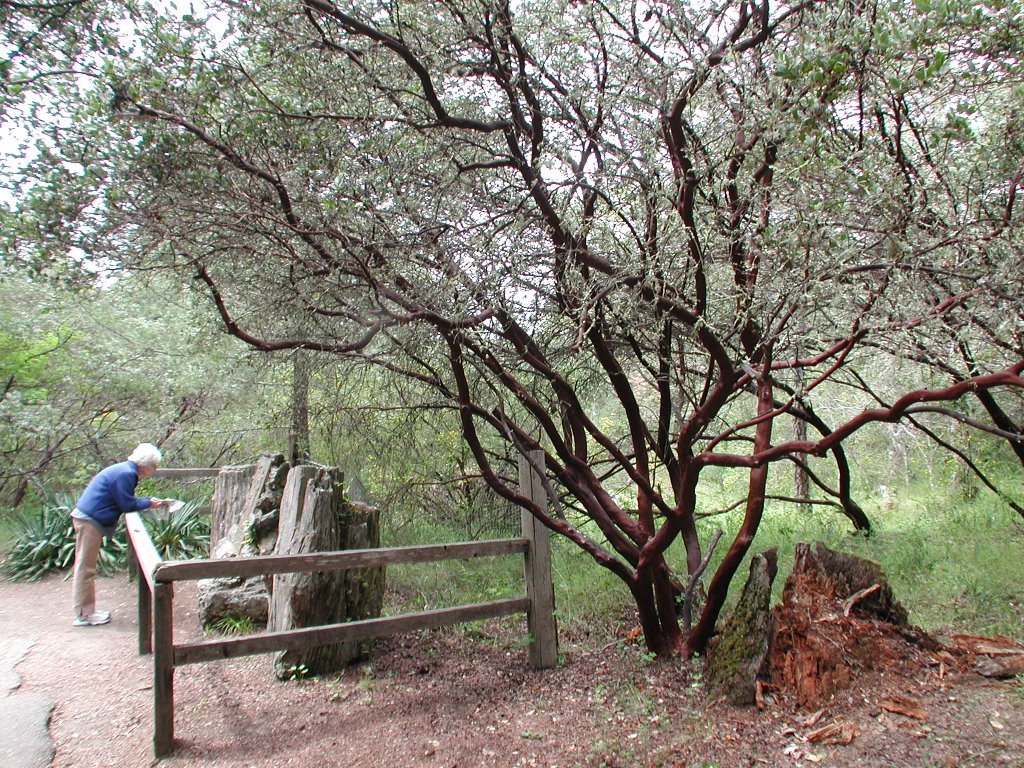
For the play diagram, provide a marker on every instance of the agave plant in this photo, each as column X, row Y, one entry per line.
column 182, row 535
column 44, row 541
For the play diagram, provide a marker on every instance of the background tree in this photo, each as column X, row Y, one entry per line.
column 630, row 236
column 86, row 374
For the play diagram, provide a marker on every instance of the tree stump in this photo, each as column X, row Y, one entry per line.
column 838, row 615
column 364, row 587
column 315, row 518
column 243, row 521
column 851, row 575
column 257, row 530
column 229, row 491
column 738, row 656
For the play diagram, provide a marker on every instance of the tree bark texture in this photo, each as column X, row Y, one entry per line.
column 243, row 521
column 315, row 518
column 738, row 656
column 229, row 491
column 298, row 438
column 257, row 532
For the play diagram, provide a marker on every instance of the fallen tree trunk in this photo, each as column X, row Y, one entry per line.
column 999, row 657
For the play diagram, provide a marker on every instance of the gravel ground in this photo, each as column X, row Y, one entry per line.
column 468, row 698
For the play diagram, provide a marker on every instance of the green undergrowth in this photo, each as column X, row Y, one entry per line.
column 951, row 561
column 427, row 586
column 947, row 558
column 8, row 530
column 588, row 599
column 42, row 540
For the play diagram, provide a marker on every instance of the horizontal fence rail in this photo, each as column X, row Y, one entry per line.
column 186, row 473
column 156, row 579
column 297, row 639
column 265, row 565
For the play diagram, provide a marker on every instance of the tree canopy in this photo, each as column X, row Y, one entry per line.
column 643, row 238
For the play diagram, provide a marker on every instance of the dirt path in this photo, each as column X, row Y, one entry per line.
column 466, row 698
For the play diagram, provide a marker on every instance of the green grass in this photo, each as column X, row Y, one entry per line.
column 425, row 586
column 231, row 625
column 950, row 559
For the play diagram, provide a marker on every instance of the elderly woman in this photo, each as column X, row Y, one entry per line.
column 108, row 496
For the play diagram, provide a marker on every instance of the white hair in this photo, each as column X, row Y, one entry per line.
column 145, row 454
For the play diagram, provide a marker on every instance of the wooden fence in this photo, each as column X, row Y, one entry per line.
column 156, row 579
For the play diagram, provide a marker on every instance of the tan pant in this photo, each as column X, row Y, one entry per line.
column 88, row 539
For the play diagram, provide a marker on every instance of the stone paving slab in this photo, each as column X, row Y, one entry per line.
column 24, row 717
column 13, row 651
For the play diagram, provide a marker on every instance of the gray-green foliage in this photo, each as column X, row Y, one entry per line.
column 639, row 238
column 88, row 372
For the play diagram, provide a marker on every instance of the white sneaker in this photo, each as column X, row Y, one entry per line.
column 92, row 620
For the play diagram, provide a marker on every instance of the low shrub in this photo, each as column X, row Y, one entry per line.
column 182, row 535
column 44, row 540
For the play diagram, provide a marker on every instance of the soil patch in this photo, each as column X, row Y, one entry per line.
column 466, row 697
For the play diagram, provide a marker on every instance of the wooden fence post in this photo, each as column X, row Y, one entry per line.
column 145, row 607
column 163, row 668
column 539, row 587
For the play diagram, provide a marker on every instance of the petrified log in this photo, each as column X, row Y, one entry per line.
column 243, row 521
column 232, row 597
column 738, row 655
column 244, row 508
column 229, row 491
column 315, row 518
column 257, row 531
column 364, row 587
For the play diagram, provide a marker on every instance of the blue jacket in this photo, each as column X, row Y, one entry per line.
column 112, row 493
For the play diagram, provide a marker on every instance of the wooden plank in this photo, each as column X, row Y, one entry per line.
column 543, row 648
column 145, row 605
column 145, row 618
column 186, row 570
column 145, row 552
column 186, row 473
column 211, row 650
column 163, row 669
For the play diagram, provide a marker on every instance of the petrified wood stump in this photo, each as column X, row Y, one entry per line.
column 229, row 490
column 315, row 518
column 243, row 521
